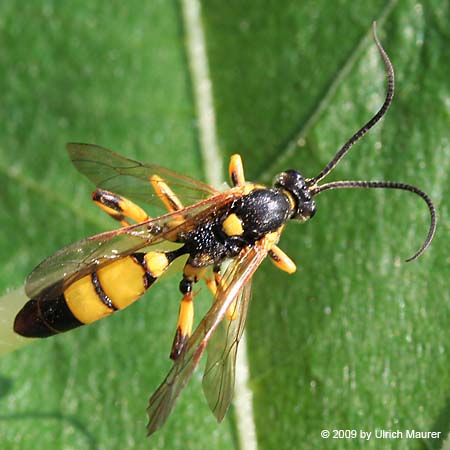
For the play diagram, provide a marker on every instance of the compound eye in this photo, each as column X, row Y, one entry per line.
column 305, row 211
column 309, row 209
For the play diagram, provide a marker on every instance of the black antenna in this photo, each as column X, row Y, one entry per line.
column 388, row 185
column 315, row 189
column 365, row 128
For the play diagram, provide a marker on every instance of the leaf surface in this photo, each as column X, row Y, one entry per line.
column 356, row 339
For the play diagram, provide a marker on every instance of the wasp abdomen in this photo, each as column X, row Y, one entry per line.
column 43, row 317
column 92, row 297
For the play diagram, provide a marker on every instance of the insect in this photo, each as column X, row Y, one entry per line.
column 224, row 237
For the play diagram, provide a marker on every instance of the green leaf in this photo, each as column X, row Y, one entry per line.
column 356, row 339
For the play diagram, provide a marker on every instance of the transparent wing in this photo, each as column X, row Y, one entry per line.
column 218, row 379
column 85, row 256
column 115, row 173
column 237, row 276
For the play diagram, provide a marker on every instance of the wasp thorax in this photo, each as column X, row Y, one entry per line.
column 262, row 211
column 294, row 183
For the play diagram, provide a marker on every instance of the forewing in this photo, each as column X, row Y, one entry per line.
column 239, row 272
column 218, row 379
column 83, row 257
column 115, row 173
column 87, row 255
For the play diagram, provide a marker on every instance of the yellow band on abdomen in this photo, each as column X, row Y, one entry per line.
column 119, row 283
column 122, row 281
column 84, row 302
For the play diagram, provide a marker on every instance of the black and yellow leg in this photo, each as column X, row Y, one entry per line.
column 184, row 325
column 281, row 260
column 167, row 196
column 186, row 314
column 118, row 207
column 236, row 170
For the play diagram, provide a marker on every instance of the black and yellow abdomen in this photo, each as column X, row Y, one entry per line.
column 92, row 297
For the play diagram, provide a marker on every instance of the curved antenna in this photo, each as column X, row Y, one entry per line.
column 390, row 185
column 365, row 128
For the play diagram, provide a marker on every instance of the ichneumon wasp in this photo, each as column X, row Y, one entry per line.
column 225, row 235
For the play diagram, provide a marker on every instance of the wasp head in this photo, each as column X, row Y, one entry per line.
column 293, row 182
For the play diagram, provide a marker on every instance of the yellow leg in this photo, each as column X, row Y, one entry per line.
column 214, row 284
column 184, row 325
column 231, row 313
column 236, row 171
column 281, row 260
column 118, row 207
column 166, row 194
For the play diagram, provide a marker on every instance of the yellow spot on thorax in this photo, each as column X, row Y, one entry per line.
column 232, row 226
